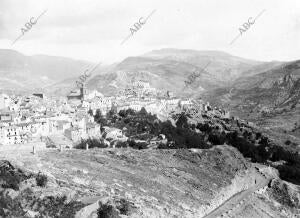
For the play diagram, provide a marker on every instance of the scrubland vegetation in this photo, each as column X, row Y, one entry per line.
column 141, row 126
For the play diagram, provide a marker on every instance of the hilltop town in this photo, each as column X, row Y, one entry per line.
column 65, row 121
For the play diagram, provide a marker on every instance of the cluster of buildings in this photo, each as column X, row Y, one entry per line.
column 26, row 119
column 36, row 117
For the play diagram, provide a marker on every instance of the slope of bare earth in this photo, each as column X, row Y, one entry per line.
column 135, row 183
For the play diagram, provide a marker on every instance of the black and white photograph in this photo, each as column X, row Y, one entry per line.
column 149, row 109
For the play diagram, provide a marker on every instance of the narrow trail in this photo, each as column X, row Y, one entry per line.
column 237, row 200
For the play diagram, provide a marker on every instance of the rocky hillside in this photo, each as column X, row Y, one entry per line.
column 136, row 183
column 168, row 69
column 270, row 99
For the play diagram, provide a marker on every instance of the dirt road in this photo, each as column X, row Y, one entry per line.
column 238, row 199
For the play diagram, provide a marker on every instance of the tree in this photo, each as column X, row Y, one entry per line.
column 122, row 113
column 99, row 118
column 143, row 111
column 217, row 138
column 125, row 113
column 206, row 128
column 182, row 121
column 93, row 143
column 111, row 113
column 90, row 112
column 258, row 135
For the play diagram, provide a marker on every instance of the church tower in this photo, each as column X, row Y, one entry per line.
column 83, row 92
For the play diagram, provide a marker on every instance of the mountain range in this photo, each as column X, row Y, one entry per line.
column 165, row 68
column 270, row 99
column 168, row 69
column 25, row 73
column 267, row 93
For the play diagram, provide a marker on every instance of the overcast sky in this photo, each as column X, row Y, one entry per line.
column 93, row 30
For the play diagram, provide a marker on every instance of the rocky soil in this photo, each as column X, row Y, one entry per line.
column 138, row 183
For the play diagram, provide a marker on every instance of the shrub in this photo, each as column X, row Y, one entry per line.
column 93, row 143
column 281, row 193
column 196, row 141
column 121, row 144
column 41, row 180
column 107, row 211
column 58, row 206
column 143, row 111
column 290, row 173
column 99, row 118
column 182, row 121
column 217, row 138
column 279, row 153
column 90, row 112
column 11, row 177
column 287, row 142
column 137, row 145
column 122, row 113
column 264, row 141
column 204, row 127
column 125, row 207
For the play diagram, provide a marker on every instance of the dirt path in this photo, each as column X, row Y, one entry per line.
column 237, row 200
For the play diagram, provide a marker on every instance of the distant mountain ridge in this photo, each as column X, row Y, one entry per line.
column 166, row 69
column 21, row 72
column 270, row 99
column 274, row 88
column 169, row 69
column 222, row 65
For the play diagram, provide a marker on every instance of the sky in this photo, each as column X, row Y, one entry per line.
column 93, row 30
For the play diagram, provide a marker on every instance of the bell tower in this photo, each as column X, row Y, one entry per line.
column 83, row 92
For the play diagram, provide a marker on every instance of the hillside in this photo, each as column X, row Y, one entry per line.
column 270, row 99
column 20, row 72
column 188, row 183
column 168, row 69
column 223, row 65
column 266, row 78
column 161, row 74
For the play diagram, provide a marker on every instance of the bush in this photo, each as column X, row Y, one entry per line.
column 279, row 153
column 217, row 138
column 137, row 145
column 264, row 141
column 204, row 127
column 121, row 144
column 287, row 142
column 58, row 206
column 99, row 118
column 93, row 143
column 11, row 177
column 290, row 173
column 248, row 149
column 182, row 121
column 107, row 211
column 41, row 180
column 195, row 140
column 125, row 207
